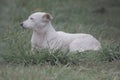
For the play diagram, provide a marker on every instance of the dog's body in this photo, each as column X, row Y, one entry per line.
column 45, row 37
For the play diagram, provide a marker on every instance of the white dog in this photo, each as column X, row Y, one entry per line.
column 46, row 37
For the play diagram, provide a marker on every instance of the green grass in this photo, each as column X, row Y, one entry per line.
column 18, row 63
column 25, row 57
column 60, row 72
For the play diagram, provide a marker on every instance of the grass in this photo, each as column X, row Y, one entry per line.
column 59, row 72
column 26, row 58
column 18, row 63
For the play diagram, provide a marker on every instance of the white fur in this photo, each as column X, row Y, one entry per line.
column 45, row 37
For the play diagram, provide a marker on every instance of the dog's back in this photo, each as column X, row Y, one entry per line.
column 79, row 42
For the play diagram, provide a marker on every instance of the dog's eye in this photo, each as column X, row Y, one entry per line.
column 31, row 18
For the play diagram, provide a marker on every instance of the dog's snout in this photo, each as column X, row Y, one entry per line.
column 21, row 24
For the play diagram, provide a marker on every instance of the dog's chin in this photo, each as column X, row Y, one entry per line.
column 26, row 27
column 23, row 27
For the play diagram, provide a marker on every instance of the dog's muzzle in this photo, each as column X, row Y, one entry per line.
column 21, row 24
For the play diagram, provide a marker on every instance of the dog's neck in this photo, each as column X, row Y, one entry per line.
column 48, row 32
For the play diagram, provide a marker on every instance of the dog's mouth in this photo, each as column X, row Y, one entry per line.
column 23, row 27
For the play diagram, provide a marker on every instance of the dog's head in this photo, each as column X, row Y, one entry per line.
column 37, row 20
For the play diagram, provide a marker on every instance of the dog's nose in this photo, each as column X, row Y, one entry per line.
column 21, row 24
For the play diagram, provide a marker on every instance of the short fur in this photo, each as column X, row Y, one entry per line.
column 46, row 37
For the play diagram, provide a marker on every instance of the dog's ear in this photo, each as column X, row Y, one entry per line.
column 47, row 17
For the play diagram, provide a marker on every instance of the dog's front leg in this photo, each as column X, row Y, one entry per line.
column 34, row 48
